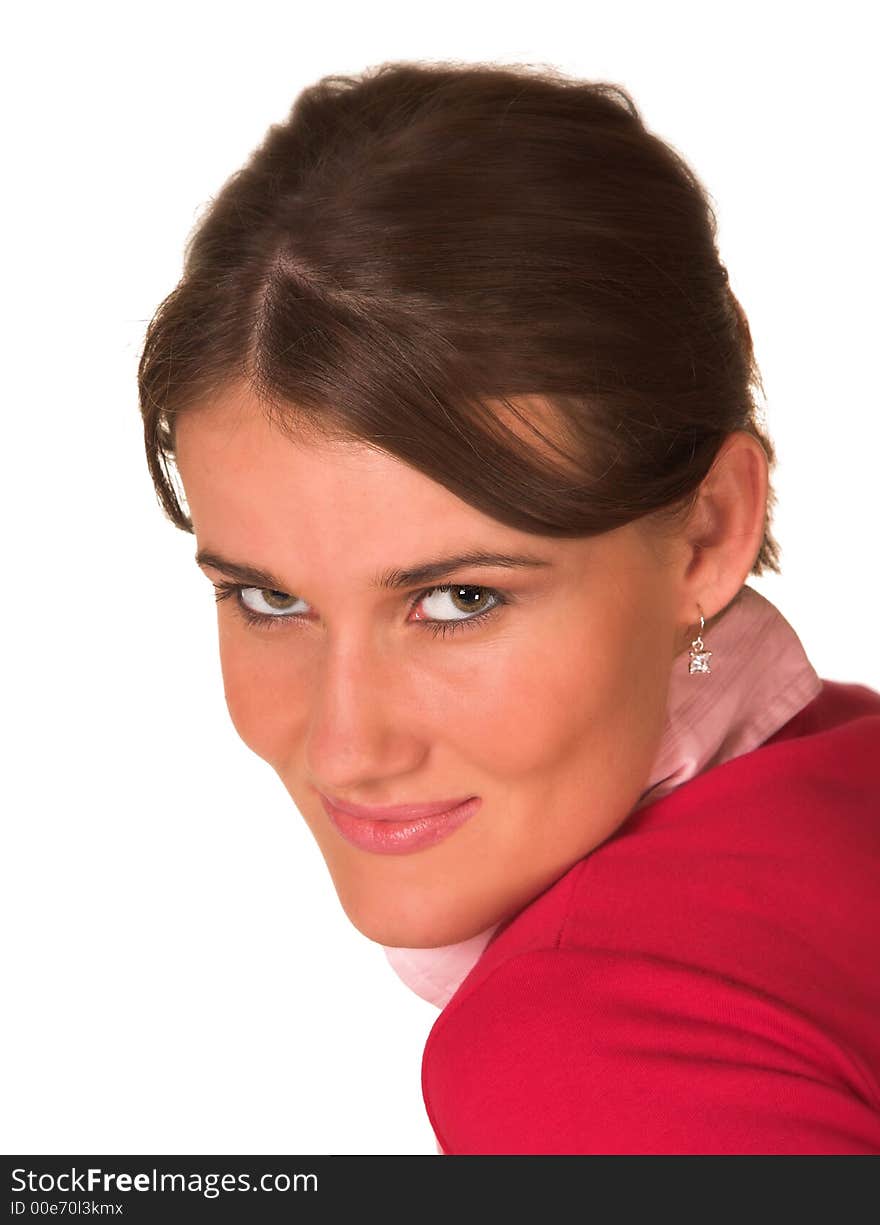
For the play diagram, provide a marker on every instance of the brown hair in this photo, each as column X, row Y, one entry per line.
column 436, row 259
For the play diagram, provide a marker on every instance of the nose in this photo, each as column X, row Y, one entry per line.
column 364, row 727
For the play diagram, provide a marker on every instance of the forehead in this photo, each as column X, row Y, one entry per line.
column 230, row 450
column 251, row 486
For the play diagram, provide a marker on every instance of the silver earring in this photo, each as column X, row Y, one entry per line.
column 699, row 656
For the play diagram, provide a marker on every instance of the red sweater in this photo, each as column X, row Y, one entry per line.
column 705, row 981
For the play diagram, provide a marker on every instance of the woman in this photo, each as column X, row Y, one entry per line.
column 462, row 406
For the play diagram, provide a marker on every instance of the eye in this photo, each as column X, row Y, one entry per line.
column 459, row 597
column 263, row 597
column 469, row 599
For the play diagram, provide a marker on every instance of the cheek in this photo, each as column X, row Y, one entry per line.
column 601, row 666
column 265, row 693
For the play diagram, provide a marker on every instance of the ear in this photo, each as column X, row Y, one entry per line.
column 724, row 530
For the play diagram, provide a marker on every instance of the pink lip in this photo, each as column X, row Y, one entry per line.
column 394, row 812
column 386, row 837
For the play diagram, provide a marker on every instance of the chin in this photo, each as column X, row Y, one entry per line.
column 396, row 929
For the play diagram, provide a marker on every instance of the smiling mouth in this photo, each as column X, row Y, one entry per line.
column 394, row 812
column 388, row 837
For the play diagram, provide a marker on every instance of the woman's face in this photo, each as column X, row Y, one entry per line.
column 549, row 709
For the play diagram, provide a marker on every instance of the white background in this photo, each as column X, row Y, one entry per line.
column 179, row 975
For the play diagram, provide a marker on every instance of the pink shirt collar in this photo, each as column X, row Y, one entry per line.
column 760, row 679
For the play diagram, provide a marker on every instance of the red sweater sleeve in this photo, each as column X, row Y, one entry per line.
column 592, row 1051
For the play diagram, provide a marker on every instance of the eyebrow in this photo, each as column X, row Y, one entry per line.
column 419, row 575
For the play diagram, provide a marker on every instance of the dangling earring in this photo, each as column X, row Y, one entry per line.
column 699, row 656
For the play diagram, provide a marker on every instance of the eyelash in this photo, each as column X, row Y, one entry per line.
column 438, row 628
